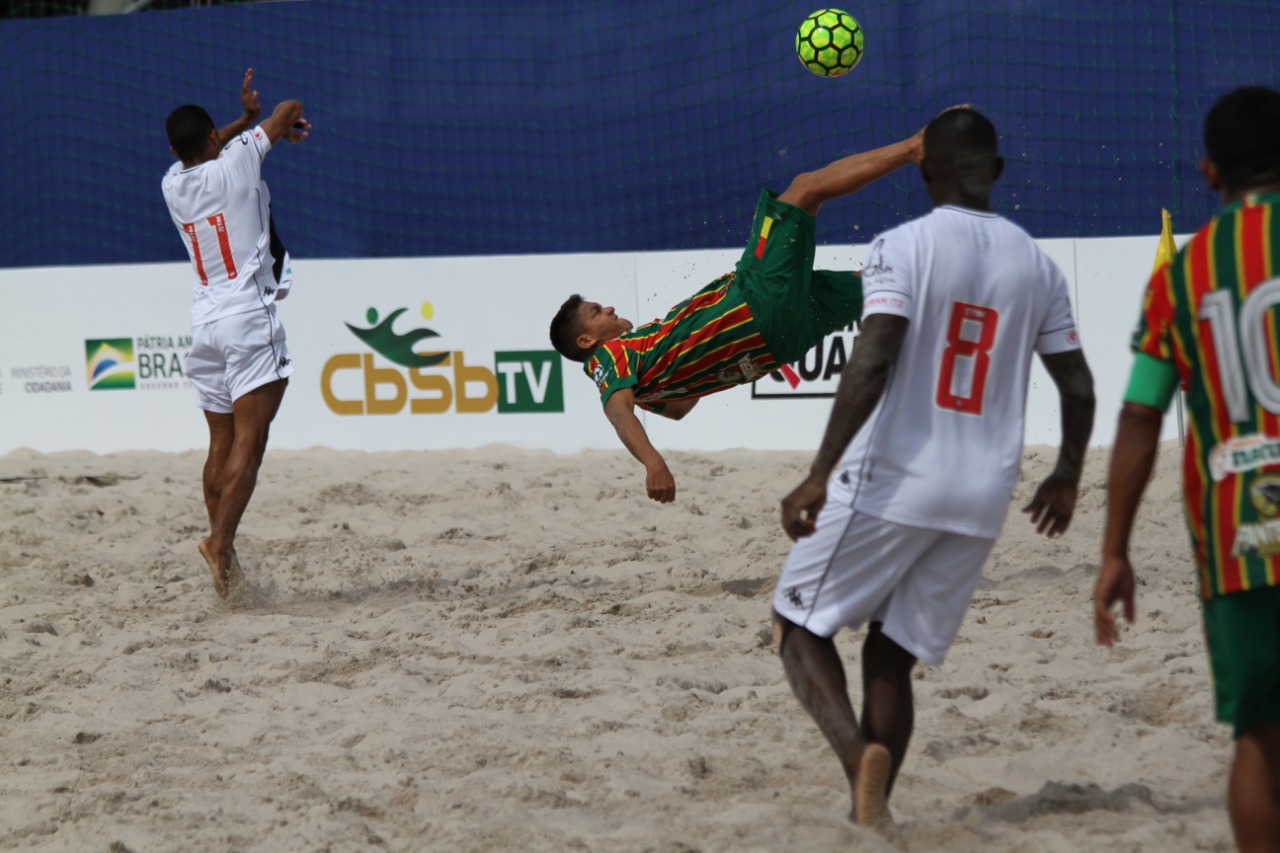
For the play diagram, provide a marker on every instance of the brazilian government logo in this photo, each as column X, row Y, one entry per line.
column 1264, row 494
column 109, row 363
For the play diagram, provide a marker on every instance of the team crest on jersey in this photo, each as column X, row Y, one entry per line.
column 1264, row 493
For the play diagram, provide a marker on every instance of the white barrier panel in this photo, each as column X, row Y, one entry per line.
column 436, row 353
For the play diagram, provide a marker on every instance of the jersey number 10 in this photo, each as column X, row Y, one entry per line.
column 219, row 224
column 966, row 357
column 1215, row 308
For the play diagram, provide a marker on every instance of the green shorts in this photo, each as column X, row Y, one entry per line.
column 794, row 305
column 1243, row 634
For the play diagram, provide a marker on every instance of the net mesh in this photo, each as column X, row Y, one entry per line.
column 451, row 128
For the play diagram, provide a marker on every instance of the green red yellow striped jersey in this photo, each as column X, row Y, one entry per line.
column 705, row 344
column 1215, row 313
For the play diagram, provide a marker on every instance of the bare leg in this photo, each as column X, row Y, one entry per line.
column 817, row 678
column 232, row 487
column 221, row 433
column 1253, row 794
column 888, row 704
column 221, row 436
column 809, row 190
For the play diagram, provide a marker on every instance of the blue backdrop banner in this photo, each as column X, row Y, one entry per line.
column 446, row 128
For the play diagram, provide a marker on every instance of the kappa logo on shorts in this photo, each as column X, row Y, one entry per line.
column 285, row 361
column 793, row 596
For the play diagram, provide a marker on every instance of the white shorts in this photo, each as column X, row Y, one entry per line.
column 232, row 356
column 856, row 569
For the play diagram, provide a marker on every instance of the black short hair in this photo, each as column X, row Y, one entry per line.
column 565, row 328
column 188, row 127
column 962, row 135
column 1242, row 137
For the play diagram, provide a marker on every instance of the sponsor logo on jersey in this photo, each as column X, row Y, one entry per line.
column 1263, row 537
column 399, row 376
column 876, row 264
column 1243, row 453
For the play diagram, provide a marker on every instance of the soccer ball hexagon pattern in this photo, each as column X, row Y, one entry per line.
column 829, row 42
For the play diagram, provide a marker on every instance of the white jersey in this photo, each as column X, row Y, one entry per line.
column 222, row 209
column 943, row 448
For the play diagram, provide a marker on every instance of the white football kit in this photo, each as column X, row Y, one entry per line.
column 222, row 210
column 936, row 463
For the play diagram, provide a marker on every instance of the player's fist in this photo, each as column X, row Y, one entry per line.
column 660, row 484
column 800, row 508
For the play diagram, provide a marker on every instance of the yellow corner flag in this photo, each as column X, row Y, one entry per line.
column 1166, row 249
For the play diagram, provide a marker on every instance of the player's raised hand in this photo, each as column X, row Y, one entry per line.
column 1115, row 583
column 301, row 130
column 249, row 98
column 1053, row 505
column 800, row 508
column 917, row 141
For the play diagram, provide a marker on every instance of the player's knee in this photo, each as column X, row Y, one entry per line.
column 804, row 192
column 882, row 654
column 782, row 628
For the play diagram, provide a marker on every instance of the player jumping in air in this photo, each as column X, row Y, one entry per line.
column 769, row 312
column 239, row 363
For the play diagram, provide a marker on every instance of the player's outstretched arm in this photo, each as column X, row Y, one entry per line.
column 1054, row 502
column 620, row 410
column 252, row 109
column 286, row 122
column 1133, row 458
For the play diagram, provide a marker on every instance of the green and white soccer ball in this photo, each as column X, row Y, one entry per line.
column 829, row 42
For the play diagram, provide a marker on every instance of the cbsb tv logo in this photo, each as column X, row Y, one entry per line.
column 435, row 382
column 109, row 363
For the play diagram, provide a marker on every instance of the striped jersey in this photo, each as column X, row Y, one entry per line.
column 1215, row 313
column 705, row 344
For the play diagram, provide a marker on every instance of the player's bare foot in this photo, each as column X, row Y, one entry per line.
column 870, row 805
column 220, row 573
column 235, row 575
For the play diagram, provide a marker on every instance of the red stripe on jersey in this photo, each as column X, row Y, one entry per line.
column 738, row 315
column 190, row 229
column 219, row 223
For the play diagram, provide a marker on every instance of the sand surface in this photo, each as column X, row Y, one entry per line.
column 502, row 650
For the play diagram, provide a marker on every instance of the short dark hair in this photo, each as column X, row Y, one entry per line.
column 961, row 135
column 1242, row 137
column 565, row 328
column 188, row 127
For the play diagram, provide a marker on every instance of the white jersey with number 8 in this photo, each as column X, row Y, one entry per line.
column 222, row 209
column 943, row 448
